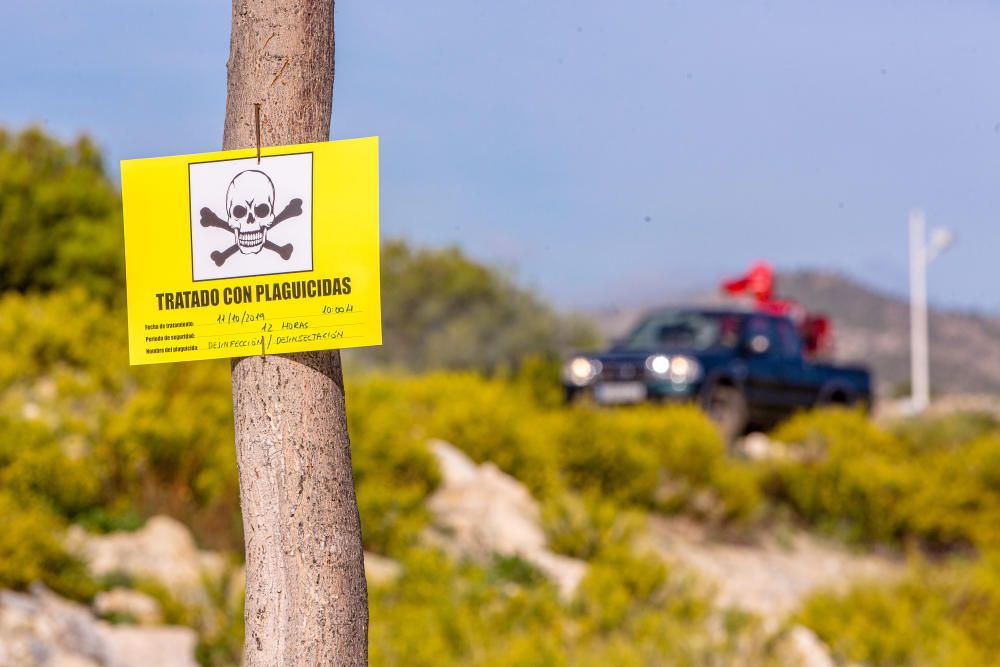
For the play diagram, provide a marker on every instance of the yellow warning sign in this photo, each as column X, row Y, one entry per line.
column 226, row 256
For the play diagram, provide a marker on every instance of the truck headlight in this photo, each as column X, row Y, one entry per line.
column 658, row 364
column 684, row 369
column 581, row 370
column 677, row 368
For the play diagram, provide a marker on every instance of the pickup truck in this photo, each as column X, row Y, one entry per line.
column 745, row 368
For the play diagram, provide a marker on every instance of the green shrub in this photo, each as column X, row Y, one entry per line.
column 938, row 616
column 394, row 471
column 632, row 609
column 658, row 457
column 488, row 419
column 668, row 458
column 444, row 614
column 957, row 500
column 60, row 216
column 600, row 453
column 875, row 485
column 582, row 526
column 629, row 611
column 505, row 569
column 540, row 377
column 492, row 421
column 31, row 550
column 47, row 474
column 110, row 520
column 36, row 466
column 97, row 439
column 926, row 433
column 391, row 518
column 853, row 480
column 620, row 587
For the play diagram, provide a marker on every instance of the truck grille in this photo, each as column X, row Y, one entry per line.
column 619, row 371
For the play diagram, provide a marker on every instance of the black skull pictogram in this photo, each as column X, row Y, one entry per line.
column 250, row 215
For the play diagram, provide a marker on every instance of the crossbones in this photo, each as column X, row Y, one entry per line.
column 249, row 216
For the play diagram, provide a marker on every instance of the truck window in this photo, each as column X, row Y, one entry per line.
column 789, row 342
column 759, row 336
column 681, row 328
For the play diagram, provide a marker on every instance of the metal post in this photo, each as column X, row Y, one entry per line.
column 919, row 361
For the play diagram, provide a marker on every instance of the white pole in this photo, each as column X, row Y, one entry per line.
column 919, row 361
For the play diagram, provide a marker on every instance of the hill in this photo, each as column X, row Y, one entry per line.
column 872, row 326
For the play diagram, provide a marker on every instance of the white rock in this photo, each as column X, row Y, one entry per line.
column 759, row 447
column 771, row 574
column 481, row 511
column 380, row 570
column 162, row 550
column 69, row 660
column 456, row 467
column 566, row 572
column 40, row 629
column 144, row 609
column 800, row 647
column 756, row 446
column 133, row 646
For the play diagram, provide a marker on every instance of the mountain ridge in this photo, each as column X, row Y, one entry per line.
column 872, row 326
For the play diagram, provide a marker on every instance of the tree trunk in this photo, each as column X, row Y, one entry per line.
column 307, row 602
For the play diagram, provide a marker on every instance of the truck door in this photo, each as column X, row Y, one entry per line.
column 764, row 381
column 798, row 386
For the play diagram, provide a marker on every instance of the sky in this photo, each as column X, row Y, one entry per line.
column 602, row 153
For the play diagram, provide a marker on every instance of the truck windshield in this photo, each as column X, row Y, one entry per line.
column 686, row 329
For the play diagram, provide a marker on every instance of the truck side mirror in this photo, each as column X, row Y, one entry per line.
column 759, row 344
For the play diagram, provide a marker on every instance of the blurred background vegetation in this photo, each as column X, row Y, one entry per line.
column 472, row 358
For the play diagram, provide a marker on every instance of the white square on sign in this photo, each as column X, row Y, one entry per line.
column 250, row 219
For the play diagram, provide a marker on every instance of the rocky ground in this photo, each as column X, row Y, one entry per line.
column 40, row 629
column 770, row 575
column 478, row 511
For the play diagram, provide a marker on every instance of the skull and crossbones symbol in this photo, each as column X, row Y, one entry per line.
column 250, row 215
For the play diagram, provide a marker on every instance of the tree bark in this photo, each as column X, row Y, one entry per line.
column 306, row 598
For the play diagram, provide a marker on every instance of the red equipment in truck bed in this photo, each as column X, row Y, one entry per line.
column 758, row 285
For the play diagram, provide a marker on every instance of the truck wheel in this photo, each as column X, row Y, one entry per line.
column 575, row 396
column 726, row 406
column 837, row 398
